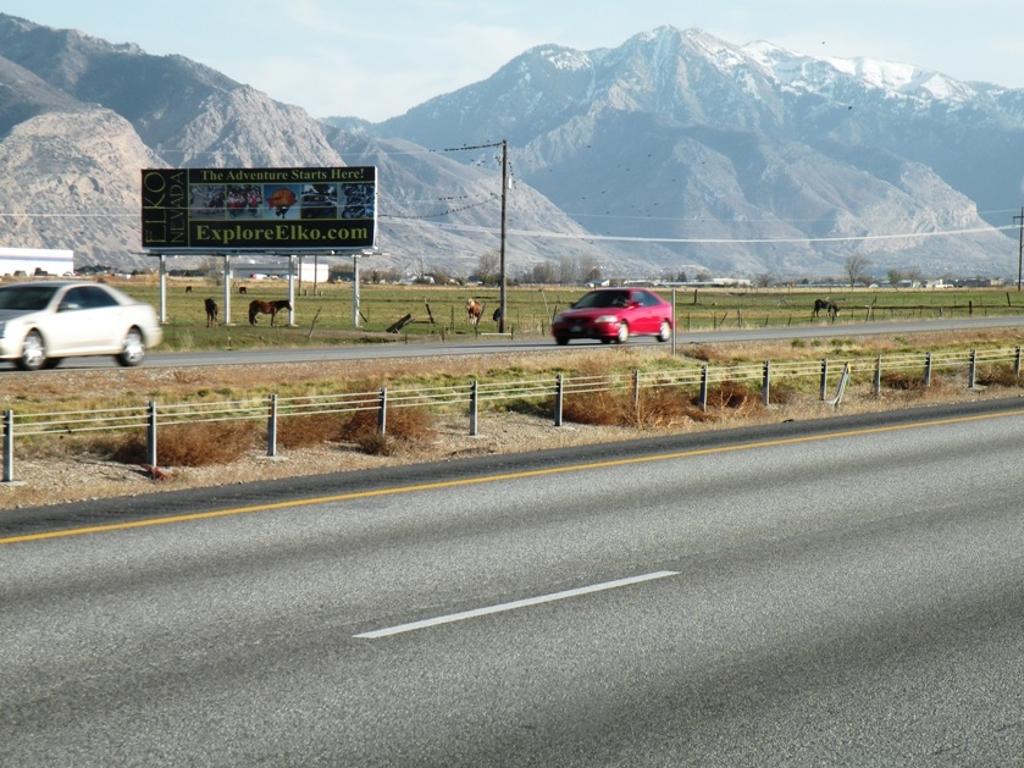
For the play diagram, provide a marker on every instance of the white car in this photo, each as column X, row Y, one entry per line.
column 43, row 322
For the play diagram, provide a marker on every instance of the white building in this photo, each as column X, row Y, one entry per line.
column 26, row 261
column 309, row 271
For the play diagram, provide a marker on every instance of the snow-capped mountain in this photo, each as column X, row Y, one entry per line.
column 673, row 150
column 755, row 157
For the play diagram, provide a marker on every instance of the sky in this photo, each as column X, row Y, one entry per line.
column 375, row 60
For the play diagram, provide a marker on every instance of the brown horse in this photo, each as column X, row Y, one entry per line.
column 828, row 305
column 211, row 312
column 257, row 307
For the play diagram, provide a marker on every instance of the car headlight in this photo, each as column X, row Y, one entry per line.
column 606, row 319
column 560, row 317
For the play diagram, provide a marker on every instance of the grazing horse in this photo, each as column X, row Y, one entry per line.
column 242, row 289
column 211, row 312
column 473, row 311
column 257, row 307
column 826, row 304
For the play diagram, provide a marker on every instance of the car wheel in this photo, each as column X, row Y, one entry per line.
column 561, row 340
column 33, row 352
column 133, row 350
column 623, row 334
column 665, row 331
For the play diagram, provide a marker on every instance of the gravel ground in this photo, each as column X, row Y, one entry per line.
column 55, row 480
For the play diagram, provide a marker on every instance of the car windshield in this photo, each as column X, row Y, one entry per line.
column 31, row 297
column 603, row 299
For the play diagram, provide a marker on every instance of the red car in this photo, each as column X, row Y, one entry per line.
column 615, row 314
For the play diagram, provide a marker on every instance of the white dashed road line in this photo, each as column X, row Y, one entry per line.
column 453, row 617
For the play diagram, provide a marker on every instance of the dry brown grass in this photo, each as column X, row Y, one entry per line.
column 902, row 381
column 301, row 431
column 659, row 408
column 998, row 375
column 666, row 407
column 602, row 408
column 182, row 445
column 406, row 428
column 733, row 396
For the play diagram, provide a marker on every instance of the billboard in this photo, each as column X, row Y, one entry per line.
column 259, row 209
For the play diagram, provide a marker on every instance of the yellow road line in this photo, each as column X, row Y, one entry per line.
column 416, row 487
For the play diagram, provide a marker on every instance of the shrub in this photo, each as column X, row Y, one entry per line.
column 658, row 407
column 997, row 375
column 902, row 380
column 183, row 445
column 299, row 431
column 733, row 396
column 599, row 408
column 666, row 407
column 404, row 426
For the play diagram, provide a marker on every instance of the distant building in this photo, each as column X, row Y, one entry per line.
column 307, row 271
column 31, row 261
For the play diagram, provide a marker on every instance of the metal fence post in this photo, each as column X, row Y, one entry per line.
column 382, row 412
column 927, row 369
column 823, row 385
column 151, row 434
column 673, row 321
column 766, row 382
column 474, row 406
column 272, row 428
column 559, row 397
column 844, row 378
column 1016, row 362
column 636, row 388
column 8, row 446
column 878, row 376
column 704, row 387
column 972, row 370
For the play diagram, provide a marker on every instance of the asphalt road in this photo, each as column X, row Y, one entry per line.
column 497, row 345
column 846, row 593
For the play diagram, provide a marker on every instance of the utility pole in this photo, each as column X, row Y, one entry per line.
column 501, row 266
column 1020, row 247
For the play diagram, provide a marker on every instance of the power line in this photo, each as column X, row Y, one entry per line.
column 397, row 218
column 446, row 212
column 724, row 240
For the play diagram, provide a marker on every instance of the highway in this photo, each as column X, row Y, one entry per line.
column 487, row 345
column 845, row 592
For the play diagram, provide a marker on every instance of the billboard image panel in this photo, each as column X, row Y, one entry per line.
column 259, row 209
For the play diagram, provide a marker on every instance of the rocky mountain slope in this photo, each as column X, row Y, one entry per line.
column 169, row 111
column 673, row 151
column 712, row 149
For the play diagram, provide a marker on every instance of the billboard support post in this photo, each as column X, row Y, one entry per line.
column 227, row 289
column 355, row 290
column 163, row 288
column 291, row 288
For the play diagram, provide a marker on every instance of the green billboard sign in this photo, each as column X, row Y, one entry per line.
column 259, row 209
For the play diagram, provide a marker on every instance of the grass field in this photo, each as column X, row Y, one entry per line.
column 324, row 316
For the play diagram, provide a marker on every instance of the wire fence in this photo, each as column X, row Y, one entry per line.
column 700, row 377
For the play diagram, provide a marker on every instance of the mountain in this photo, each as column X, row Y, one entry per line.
column 675, row 150
column 776, row 158
column 170, row 111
